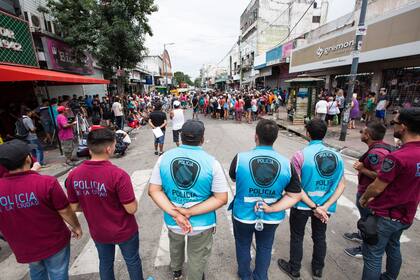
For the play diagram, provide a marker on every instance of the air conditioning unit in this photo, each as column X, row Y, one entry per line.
column 35, row 23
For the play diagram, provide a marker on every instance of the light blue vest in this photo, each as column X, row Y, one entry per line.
column 322, row 171
column 262, row 174
column 187, row 176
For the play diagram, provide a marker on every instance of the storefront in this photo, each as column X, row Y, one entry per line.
column 390, row 56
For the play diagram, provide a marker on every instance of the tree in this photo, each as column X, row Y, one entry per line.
column 197, row 82
column 113, row 31
column 180, row 77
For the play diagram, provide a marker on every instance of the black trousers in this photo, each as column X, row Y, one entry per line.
column 298, row 220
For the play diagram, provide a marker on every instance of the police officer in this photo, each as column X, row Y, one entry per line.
column 368, row 167
column 394, row 197
column 188, row 184
column 261, row 175
column 321, row 170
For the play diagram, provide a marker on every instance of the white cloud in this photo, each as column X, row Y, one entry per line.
column 203, row 31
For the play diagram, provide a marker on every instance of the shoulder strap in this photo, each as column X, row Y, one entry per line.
column 387, row 147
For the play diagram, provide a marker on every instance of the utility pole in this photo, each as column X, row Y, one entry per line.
column 360, row 32
column 240, row 63
column 165, row 66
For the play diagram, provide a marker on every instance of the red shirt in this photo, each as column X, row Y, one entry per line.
column 28, row 215
column 372, row 162
column 401, row 169
column 102, row 188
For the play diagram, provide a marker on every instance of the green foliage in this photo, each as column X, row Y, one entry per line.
column 113, row 31
column 180, row 77
column 197, row 82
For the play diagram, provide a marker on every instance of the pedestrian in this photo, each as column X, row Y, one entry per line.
column 370, row 107
column 341, row 102
column 196, row 108
column 106, row 111
column 105, row 195
column 393, row 198
column 368, row 167
column 33, row 215
column 354, row 111
column 261, row 175
column 381, row 105
column 65, row 133
column 321, row 109
column 177, row 117
column 158, row 119
column 332, row 112
column 190, row 178
column 321, row 170
column 32, row 138
column 118, row 111
column 45, row 116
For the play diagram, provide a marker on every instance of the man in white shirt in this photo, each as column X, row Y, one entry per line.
column 117, row 109
column 189, row 185
column 177, row 117
column 321, row 109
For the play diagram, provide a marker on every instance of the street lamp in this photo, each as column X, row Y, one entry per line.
column 165, row 67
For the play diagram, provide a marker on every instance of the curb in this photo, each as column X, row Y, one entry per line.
column 343, row 150
column 67, row 169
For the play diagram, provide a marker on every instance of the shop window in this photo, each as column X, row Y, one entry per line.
column 49, row 26
column 315, row 5
column 25, row 14
column 316, row 19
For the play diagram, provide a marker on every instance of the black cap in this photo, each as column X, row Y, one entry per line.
column 192, row 131
column 13, row 153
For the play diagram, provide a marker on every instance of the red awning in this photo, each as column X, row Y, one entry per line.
column 21, row 74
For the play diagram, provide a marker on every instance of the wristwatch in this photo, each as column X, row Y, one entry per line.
column 314, row 208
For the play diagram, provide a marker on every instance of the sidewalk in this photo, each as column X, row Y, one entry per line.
column 56, row 163
column 352, row 147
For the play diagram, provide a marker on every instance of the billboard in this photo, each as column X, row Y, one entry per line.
column 16, row 44
column 60, row 57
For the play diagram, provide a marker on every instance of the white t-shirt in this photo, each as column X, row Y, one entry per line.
column 321, row 107
column 117, row 109
column 126, row 138
column 219, row 185
column 178, row 119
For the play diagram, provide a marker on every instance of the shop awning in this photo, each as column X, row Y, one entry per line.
column 23, row 74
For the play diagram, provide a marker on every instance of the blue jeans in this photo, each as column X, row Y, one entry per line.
column 389, row 233
column 130, row 252
column 264, row 241
column 38, row 152
column 55, row 267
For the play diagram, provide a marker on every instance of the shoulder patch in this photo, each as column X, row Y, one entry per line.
column 387, row 165
column 373, row 159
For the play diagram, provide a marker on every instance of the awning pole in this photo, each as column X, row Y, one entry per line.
column 52, row 116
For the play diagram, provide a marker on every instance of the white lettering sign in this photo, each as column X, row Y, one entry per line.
column 7, row 42
column 341, row 46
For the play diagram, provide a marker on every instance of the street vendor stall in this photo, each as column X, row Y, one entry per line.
column 303, row 93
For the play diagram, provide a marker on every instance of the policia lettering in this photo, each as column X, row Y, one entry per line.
column 184, row 172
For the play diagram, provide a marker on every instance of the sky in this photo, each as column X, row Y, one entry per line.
column 204, row 31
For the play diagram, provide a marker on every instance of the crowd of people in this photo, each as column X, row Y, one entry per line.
column 189, row 185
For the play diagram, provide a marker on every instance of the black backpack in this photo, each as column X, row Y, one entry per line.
column 21, row 132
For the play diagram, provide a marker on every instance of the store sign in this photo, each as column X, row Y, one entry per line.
column 16, row 45
column 322, row 51
column 60, row 57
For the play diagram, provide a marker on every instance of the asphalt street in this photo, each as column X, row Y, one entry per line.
column 223, row 139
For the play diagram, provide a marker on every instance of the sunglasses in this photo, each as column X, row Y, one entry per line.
column 395, row 122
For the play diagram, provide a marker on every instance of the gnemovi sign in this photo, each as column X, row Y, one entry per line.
column 327, row 50
column 16, row 45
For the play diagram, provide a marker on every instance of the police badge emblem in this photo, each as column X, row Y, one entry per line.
column 387, row 165
column 373, row 159
column 264, row 170
column 326, row 163
column 185, row 172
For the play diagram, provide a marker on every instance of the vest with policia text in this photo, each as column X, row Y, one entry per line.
column 187, row 175
column 322, row 170
column 261, row 174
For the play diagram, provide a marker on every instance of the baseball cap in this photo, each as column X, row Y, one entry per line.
column 177, row 103
column 13, row 153
column 192, row 131
column 61, row 109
